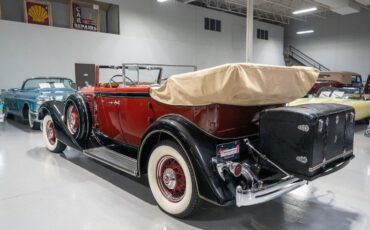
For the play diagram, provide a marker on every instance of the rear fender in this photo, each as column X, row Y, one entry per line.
column 56, row 110
column 198, row 146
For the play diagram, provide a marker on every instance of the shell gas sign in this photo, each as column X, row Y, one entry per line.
column 38, row 12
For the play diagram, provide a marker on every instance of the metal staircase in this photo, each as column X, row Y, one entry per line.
column 294, row 56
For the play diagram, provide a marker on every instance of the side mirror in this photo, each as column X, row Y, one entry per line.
column 14, row 89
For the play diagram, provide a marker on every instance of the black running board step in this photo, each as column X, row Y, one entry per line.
column 114, row 159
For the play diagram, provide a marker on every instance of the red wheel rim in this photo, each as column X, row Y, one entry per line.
column 171, row 179
column 50, row 132
column 72, row 119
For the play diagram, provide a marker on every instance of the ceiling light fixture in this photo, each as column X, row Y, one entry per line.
column 162, row 0
column 305, row 32
column 305, row 10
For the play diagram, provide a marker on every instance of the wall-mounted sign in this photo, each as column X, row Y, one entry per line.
column 85, row 16
column 37, row 12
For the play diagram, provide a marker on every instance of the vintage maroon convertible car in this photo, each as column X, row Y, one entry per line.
column 222, row 135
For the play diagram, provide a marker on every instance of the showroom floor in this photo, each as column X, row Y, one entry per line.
column 40, row 190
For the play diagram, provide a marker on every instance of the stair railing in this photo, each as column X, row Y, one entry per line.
column 305, row 59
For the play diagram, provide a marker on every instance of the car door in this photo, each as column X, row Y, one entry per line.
column 136, row 113
column 107, row 105
column 20, row 99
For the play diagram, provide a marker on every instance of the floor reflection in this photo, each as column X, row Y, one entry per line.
column 288, row 212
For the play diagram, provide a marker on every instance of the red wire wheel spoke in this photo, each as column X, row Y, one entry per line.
column 72, row 119
column 50, row 132
column 171, row 179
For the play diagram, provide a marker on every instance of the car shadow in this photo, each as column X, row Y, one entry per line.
column 136, row 186
column 286, row 212
column 359, row 128
column 20, row 124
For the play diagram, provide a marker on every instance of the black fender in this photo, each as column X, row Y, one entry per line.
column 57, row 110
column 199, row 146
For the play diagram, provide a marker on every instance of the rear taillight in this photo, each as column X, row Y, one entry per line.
column 235, row 169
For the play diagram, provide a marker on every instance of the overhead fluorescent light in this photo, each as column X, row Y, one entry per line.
column 305, row 32
column 305, row 10
column 162, row 0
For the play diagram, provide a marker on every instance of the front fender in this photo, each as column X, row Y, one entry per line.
column 199, row 147
column 56, row 110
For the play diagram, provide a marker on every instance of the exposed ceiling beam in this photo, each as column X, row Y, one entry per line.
column 290, row 8
column 279, row 12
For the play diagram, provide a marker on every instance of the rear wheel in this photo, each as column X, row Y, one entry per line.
column 172, row 180
column 48, row 133
column 31, row 121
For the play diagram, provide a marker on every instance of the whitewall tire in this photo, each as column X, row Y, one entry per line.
column 48, row 133
column 33, row 125
column 172, row 180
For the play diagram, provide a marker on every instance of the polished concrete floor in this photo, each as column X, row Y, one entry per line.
column 40, row 190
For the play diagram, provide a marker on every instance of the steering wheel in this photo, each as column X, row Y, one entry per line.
column 119, row 75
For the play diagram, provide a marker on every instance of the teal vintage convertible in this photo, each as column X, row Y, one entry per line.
column 24, row 102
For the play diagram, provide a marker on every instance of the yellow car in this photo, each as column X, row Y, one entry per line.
column 338, row 96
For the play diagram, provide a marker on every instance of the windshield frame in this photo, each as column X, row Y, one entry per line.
column 46, row 79
column 137, row 67
column 348, row 92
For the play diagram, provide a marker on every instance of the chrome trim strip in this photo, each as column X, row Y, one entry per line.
column 344, row 154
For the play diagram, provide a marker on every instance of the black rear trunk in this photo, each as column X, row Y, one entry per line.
column 308, row 140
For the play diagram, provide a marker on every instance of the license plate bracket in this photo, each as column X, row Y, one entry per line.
column 228, row 151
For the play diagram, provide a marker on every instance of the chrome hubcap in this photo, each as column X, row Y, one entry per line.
column 169, row 178
column 72, row 119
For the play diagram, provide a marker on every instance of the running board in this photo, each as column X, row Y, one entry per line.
column 114, row 159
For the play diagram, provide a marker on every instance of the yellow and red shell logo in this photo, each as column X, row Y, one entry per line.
column 38, row 13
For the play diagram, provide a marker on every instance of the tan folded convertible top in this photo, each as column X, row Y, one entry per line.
column 344, row 77
column 237, row 84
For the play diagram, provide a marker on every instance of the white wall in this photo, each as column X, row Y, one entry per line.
column 339, row 42
column 151, row 32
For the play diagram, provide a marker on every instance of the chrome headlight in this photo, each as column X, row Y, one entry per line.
column 42, row 98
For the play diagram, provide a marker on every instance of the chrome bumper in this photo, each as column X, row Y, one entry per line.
column 252, row 197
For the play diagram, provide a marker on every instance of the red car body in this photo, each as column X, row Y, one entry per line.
column 126, row 119
column 216, row 148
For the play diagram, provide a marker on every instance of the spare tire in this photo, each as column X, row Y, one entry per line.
column 77, row 117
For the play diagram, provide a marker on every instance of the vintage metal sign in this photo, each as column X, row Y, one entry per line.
column 82, row 23
column 38, row 12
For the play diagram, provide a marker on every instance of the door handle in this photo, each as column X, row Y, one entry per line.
column 113, row 102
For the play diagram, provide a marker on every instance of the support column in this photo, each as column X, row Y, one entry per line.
column 249, row 31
